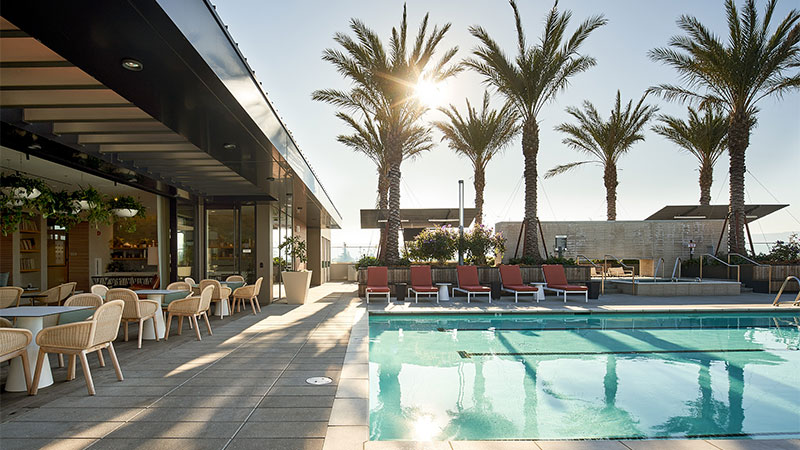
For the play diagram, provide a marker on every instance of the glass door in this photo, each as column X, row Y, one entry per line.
column 221, row 243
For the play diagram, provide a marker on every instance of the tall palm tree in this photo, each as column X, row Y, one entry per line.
column 606, row 141
column 734, row 73
column 704, row 137
column 530, row 80
column 383, row 85
column 479, row 136
column 368, row 138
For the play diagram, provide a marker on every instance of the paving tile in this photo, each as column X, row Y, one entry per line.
column 230, row 382
column 678, row 444
column 287, row 380
column 23, row 429
column 45, row 444
column 290, row 414
column 47, row 414
column 346, row 437
column 124, row 391
column 192, row 415
column 353, row 388
column 405, row 445
column 283, row 430
column 494, row 445
column 350, row 411
column 355, row 371
column 760, row 444
column 160, row 444
column 582, row 445
column 297, row 401
column 214, row 372
column 282, row 444
column 220, row 389
column 303, row 390
column 207, row 401
column 193, row 430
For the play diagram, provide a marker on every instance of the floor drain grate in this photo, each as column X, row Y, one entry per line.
column 317, row 381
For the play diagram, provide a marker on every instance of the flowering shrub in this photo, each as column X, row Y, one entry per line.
column 479, row 242
column 437, row 244
column 786, row 252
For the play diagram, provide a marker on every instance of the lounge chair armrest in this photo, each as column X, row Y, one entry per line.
column 70, row 335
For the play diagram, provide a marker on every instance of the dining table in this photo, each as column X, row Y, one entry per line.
column 164, row 297
column 233, row 285
column 31, row 318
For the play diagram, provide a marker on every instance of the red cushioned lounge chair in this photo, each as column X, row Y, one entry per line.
column 378, row 282
column 557, row 282
column 511, row 279
column 468, row 282
column 421, row 283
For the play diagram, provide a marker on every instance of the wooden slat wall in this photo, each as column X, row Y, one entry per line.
column 79, row 255
column 7, row 256
column 779, row 274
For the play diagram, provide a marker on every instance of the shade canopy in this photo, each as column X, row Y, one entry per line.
column 711, row 212
column 417, row 217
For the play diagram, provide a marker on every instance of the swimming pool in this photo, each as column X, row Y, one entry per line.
column 579, row 376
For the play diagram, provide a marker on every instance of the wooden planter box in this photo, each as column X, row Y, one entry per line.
column 779, row 273
column 486, row 275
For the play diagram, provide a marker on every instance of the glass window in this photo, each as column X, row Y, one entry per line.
column 186, row 244
column 221, row 235
column 247, row 259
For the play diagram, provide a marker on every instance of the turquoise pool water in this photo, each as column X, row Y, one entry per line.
column 599, row 376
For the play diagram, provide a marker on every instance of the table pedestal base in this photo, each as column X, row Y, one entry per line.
column 16, row 375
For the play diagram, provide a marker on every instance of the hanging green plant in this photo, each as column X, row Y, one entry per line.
column 62, row 210
column 20, row 198
column 21, row 188
column 126, row 211
column 94, row 204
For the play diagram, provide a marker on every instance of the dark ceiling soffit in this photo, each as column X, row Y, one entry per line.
column 176, row 87
column 712, row 212
column 35, row 144
column 237, row 199
column 417, row 217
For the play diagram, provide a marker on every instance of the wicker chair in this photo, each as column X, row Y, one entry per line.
column 221, row 294
column 249, row 292
column 99, row 289
column 235, row 278
column 78, row 339
column 5, row 323
column 191, row 307
column 190, row 280
column 9, row 296
column 66, row 290
column 49, row 297
column 14, row 342
column 92, row 300
column 136, row 309
column 180, row 286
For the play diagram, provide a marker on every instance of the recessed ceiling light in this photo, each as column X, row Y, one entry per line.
column 229, row 146
column 34, row 147
column 132, row 64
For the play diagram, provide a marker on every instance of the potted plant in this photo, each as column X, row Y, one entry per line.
column 22, row 188
column 20, row 199
column 60, row 207
column 94, row 204
column 296, row 282
column 125, row 206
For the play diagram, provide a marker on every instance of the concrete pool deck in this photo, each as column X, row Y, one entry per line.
column 244, row 387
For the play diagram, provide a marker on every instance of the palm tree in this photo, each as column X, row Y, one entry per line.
column 479, row 137
column 383, row 86
column 704, row 137
column 734, row 73
column 368, row 137
column 607, row 141
column 529, row 81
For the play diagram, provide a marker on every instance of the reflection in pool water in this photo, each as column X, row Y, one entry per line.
column 578, row 376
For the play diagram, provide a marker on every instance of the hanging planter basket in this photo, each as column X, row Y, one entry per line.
column 23, row 193
column 124, row 212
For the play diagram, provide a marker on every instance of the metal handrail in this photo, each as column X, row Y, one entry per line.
column 655, row 270
column 738, row 269
column 769, row 271
column 578, row 260
column 618, row 260
column 677, row 267
column 783, row 286
column 633, row 274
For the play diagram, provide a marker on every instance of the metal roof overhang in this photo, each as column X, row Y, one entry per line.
column 61, row 74
column 711, row 212
column 417, row 217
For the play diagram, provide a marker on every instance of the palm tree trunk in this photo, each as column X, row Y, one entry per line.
column 383, row 203
column 706, row 178
column 530, row 149
column 394, row 158
column 480, row 184
column 610, row 180
column 738, row 140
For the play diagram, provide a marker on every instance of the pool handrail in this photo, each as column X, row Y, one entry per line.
column 602, row 271
column 738, row 269
column 633, row 273
column 677, row 267
column 783, row 286
column 769, row 271
column 655, row 270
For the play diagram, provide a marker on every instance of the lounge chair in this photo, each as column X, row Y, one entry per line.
column 468, row 282
column 511, row 280
column 618, row 272
column 378, row 282
column 556, row 281
column 421, row 283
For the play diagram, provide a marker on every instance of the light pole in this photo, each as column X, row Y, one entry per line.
column 460, row 222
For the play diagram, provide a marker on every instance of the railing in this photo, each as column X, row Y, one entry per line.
column 578, row 260
column 633, row 274
column 738, row 269
column 677, row 267
column 769, row 271
column 655, row 270
column 783, row 286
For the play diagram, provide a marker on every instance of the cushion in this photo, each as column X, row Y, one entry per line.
column 424, row 289
column 377, row 276
column 554, row 274
column 511, row 275
column 520, row 287
column 377, row 289
column 467, row 275
column 567, row 287
column 475, row 288
column 421, row 276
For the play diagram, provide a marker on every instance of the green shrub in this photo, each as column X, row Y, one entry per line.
column 480, row 242
column 434, row 244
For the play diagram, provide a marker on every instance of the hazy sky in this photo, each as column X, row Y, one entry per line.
column 283, row 42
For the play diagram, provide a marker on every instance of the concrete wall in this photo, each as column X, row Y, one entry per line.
column 650, row 239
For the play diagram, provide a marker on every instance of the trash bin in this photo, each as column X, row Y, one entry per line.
column 496, row 292
column 400, row 290
column 594, row 289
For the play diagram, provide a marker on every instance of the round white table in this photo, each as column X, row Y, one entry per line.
column 31, row 318
column 540, row 292
column 444, row 292
column 148, row 332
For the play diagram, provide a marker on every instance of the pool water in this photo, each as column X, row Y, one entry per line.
column 598, row 376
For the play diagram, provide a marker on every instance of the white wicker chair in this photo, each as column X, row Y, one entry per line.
column 136, row 309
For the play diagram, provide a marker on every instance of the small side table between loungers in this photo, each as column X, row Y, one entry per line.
column 444, row 291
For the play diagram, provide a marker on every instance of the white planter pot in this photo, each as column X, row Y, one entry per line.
column 124, row 212
column 296, row 285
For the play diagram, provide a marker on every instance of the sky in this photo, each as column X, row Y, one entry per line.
column 284, row 41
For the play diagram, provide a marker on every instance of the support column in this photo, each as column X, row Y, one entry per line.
column 162, row 225
column 264, row 250
column 313, row 245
